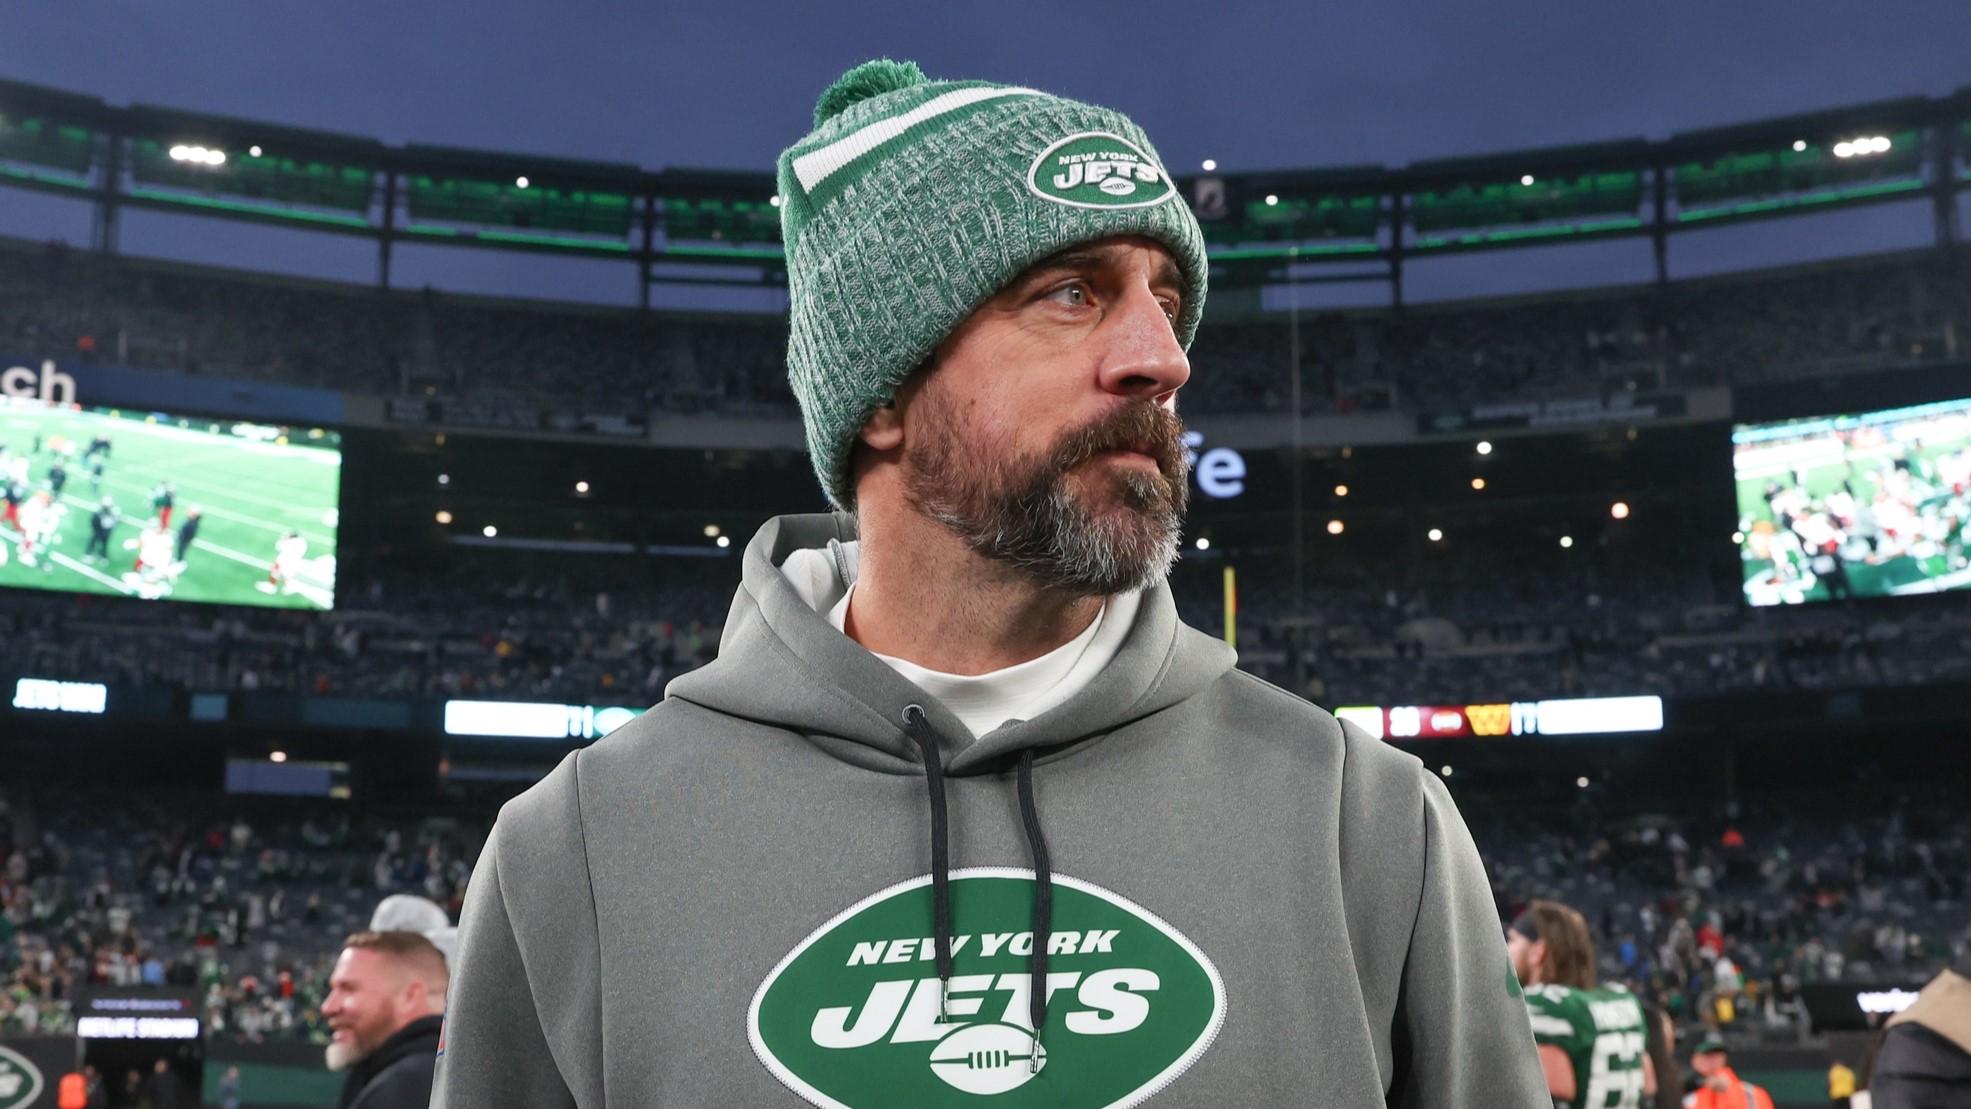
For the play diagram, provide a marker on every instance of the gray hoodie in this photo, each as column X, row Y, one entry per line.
column 756, row 895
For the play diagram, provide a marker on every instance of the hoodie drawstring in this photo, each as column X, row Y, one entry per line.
column 1043, row 906
column 918, row 725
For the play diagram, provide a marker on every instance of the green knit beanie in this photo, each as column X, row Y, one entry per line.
column 913, row 201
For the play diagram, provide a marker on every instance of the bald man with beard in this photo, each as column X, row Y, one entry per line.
column 386, row 1000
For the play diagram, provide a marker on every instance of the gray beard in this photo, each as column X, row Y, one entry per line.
column 1033, row 522
column 1051, row 539
column 341, row 1057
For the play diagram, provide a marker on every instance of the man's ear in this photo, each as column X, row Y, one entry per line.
column 883, row 430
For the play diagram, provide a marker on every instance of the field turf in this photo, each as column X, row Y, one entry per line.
column 1900, row 574
column 249, row 495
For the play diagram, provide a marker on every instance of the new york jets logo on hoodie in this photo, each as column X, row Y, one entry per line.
column 851, row 1017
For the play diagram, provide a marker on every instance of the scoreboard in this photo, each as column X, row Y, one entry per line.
column 1558, row 717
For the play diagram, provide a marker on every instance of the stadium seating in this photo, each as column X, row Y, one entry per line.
column 247, row 903
column 520, row 365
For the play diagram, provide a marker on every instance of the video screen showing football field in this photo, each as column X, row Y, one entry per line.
column 1868, row 505
column 165, row 507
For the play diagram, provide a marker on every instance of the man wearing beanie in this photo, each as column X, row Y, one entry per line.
column 962, row 814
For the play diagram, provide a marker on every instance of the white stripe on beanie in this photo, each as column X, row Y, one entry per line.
column 818, row 165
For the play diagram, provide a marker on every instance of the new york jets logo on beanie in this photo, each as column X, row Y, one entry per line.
column 912, row 201
column 1099, row 170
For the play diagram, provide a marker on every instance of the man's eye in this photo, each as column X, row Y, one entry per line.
column 1076, row 295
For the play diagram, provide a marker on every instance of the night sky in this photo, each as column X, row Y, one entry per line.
column 728, row 85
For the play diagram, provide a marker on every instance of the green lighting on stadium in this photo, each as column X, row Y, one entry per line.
column 1778, row 204
column 763, row 254
column 58, row 180
column 259, row 211
column 1240, row 254
column 1528, row 234
column 558, row 241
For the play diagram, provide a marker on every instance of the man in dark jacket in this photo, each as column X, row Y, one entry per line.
column 1925, row 1059
column 101, row 524
column 386, row 999
column 162, row 1088
column 187, row 532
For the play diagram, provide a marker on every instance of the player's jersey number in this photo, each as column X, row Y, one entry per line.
column 1615, row 1072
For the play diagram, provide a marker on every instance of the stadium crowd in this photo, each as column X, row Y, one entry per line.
column 1484, row 626
column 248, row 906
column 1718, row 917
column 473, row 360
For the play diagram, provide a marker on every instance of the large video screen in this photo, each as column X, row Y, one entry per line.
column 1866, row 505
column 167, row 507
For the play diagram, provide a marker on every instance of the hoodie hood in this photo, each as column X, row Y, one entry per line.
column 783, row 664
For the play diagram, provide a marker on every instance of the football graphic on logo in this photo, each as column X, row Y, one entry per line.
column 1117, row 186
column 988, row 1058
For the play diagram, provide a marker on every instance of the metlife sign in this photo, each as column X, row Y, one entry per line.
column 1220, row 472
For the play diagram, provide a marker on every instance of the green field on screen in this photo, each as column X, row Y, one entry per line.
column 1866, row 470
column 249, row 493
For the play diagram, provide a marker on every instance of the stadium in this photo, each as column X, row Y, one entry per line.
column 1665, row 580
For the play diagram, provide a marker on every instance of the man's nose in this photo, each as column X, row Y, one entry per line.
column 1143, row 358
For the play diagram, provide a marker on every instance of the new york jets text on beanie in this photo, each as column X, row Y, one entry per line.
column 913, row 201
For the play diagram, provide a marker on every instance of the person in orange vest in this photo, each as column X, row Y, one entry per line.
column 72, row 1092
column 1722, row 1089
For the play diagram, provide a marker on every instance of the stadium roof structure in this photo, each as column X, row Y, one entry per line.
column 711, row 227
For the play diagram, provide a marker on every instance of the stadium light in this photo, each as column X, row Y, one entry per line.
column 711, row 531
column 520, row 182
column 1484, row 447
column 1436, row 535
column 1866, row 144
column 444, row 479
column 1619, row 510
column 1478, row 484
column 581, row 487
column 1341, row 490
column 1203, row 543
column 1566, row 541
column 1737, row 538
column 1581, row 782
column 277, row 756
column 254, row 151
column 444, row 517
column 198, row 155
column 1335, row 527
column 1799, row 145
column 1445, row 770
column 1526, row 179
column 489, row 531
column 774, row 200
column 1272, row 200
column 725, row 541
column 1210, row 164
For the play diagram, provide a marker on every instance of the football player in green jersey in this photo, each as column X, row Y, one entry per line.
column 1592, row 1038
